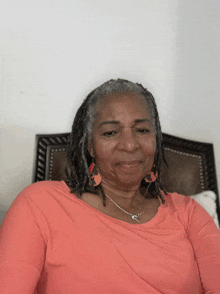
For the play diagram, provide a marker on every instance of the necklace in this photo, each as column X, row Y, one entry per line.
column 133, row 216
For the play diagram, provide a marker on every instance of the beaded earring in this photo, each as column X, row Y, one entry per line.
column 95, row 176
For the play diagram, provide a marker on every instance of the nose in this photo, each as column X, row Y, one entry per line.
column 128, row 141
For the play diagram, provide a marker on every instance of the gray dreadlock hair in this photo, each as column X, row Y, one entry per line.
column 78, row 157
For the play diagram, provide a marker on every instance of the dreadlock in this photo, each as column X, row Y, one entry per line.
column 78, row 157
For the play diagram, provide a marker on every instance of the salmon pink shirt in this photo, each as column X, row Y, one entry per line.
column 51, row 242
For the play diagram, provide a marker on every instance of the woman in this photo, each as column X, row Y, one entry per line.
column 111, row 228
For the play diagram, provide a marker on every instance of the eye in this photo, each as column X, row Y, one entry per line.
column 143, row 130
column 109, row 133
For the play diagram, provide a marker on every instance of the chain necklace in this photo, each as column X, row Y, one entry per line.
column 133, row 216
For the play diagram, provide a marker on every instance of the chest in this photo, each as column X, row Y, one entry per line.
column 115, row 257
column 142, row 213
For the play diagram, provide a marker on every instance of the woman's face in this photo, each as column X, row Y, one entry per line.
column 124, row 140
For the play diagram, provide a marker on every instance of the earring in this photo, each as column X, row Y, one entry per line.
column 151, row 177
column 95, row 176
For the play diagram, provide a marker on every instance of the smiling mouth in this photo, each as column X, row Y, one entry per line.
column 129, row 163
column 129, row 167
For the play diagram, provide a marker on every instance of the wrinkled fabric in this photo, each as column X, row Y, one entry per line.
column 51, row 242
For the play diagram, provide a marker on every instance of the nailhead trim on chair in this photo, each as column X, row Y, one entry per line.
column 202, row 181
column 42, row 143
column 51, row 160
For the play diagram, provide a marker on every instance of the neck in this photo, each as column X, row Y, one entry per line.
column 126, row 197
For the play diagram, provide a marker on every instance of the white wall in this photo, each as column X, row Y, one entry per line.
column 53, row 53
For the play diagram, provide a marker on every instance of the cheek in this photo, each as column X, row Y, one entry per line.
column 150, row 148
column 149, row 151
column 103, row 152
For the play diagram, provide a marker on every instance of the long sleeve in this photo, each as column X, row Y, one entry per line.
column 22, row 248
column 205, row 239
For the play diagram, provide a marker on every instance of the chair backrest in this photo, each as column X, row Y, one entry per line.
column 190, row 165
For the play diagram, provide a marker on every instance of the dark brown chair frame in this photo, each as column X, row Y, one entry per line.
column 190, row 165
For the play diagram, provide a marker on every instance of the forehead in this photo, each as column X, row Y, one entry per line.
column 119, row 104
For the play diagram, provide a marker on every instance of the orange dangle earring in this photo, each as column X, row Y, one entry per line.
column 151, row 177
column 95, row 176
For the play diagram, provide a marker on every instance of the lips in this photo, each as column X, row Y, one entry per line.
column 129, row 166
column 129, row 163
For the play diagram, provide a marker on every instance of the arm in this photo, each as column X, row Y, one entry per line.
column 22, row 248
column 205, row 239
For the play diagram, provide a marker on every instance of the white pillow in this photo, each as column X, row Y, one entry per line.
column 207, row 200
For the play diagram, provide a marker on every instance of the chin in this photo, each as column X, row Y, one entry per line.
column 129, row 183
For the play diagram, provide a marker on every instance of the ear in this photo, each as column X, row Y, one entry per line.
column 91, row 148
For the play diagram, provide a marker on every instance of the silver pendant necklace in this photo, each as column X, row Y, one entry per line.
column 133, row 216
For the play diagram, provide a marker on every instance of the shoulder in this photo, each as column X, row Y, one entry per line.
column 187, row 210
column 41, row 198
column 178, row 201
column 42, row 186
column 187, row 203
column 180, row 207
column 42, row 192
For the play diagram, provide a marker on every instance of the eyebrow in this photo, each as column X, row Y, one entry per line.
column 115, row 122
